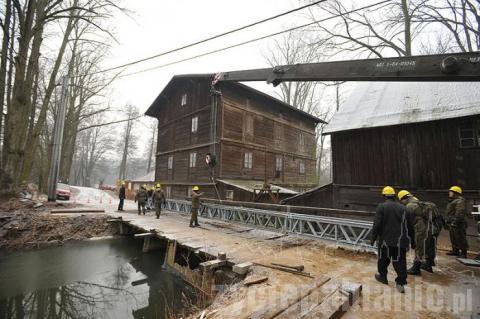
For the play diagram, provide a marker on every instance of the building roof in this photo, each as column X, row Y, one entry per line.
column 250, row 185
column 150, row 177
column 375, row 104
column 153, row 109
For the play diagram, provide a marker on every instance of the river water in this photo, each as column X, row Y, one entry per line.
column 100, row 279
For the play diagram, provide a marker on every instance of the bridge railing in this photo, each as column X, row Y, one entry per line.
column 343, row 231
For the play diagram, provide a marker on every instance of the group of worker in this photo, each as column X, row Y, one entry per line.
column 156, row 197
column 415, row 223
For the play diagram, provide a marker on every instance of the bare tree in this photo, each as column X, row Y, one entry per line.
column 128, row 143
column 460, row 18
column 151, row 147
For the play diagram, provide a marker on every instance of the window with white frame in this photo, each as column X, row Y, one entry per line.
column 247, row 160
column 279, row 163
column 301, row 139
column 194, row 124
column 193, row 159
column 302, row 167
column 170, row 162
column 184, row 99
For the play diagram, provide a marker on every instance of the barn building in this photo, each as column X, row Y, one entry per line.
column 424, row 137
column 254, row 137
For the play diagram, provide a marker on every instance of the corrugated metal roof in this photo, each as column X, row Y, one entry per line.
column 250, row 185
column 374, row 104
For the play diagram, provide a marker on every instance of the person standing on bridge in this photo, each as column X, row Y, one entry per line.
column 393, row 228
column 158, row 199
column 121, row 197
column 456, row 222
column 141, row 198
column 195, row 206
column 419, row 221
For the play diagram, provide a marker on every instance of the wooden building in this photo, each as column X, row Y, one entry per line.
column 255, row 138
column 133, row 185
column 424, row 137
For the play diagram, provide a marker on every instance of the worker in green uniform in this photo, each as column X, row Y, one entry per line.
column 415, row 213
column 141, row 198
column 195, row 206
column 456, row 222
column 158, row 199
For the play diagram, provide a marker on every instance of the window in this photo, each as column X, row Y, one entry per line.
column 301, row 139
column 168, row 191
column 184, row 99
column 249, row 124
column 247, row 160
column 469, row 135
column 302, row 167
column 194, row 124
column 193, row 159
column 170, row 162
column 229, row 195
column 279, row 163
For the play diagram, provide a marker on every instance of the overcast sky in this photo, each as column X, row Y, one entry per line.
column 157, row 26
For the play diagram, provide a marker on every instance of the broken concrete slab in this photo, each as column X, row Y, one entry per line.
column 242, row 269
column 76, row 211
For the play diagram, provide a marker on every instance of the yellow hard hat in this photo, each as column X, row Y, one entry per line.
column 388, row 191
column 158, row 185
column 144, row 185
column 123, row 183
column 196, row 188
column 403, row 193
column 456, row 189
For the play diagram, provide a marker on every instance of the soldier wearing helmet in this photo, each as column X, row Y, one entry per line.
column 195, row 206
column 394, row 230
column 415, row 212
column 158, row 198
column 456, row 222
column 141, row 197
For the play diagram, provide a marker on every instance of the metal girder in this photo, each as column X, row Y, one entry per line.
column 343, row 231
column 442, row 67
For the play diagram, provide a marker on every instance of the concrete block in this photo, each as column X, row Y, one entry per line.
column 242, row 269
column 222, row 256
column 212, row 264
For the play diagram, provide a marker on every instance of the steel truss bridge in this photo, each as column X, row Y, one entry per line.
column 342, row 231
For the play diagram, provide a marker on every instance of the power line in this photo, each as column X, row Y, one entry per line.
column 252, row 40
column 209, row 38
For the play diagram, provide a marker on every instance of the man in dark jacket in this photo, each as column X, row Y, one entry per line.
column 394, row 230
column 121, row 196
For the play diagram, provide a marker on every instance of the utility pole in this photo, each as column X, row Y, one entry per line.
column 57, row 142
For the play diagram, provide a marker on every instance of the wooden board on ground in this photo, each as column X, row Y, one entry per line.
column 76, row 211
column 254, row 279
column 469, row 262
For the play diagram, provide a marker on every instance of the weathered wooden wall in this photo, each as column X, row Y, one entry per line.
column 421, row 155
column 253, row 123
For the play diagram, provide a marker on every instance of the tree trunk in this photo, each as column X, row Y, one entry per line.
column 408, row 25
column 17, row 125
column 3, row 65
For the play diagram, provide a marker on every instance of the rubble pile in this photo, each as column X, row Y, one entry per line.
column 29, row 224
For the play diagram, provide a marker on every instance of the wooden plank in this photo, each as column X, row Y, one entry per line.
column 77, row 211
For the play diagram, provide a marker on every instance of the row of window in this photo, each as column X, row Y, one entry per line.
column 247, row 162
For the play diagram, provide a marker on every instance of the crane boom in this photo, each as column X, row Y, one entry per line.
column 434, row 68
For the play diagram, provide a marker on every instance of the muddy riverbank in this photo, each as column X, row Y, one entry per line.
column 23, row 227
